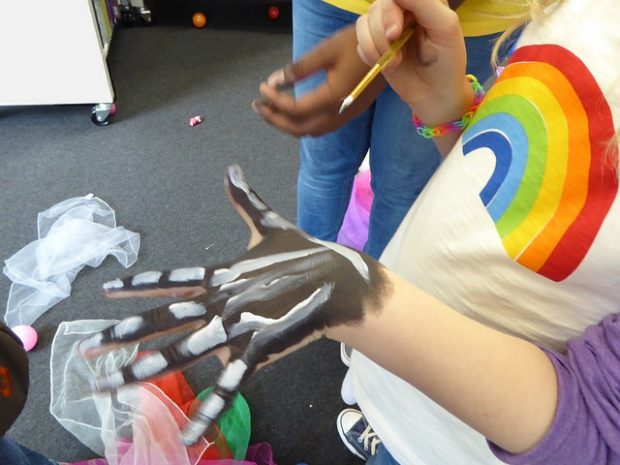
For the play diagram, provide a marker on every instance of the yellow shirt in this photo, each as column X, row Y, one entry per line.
column 478, row 17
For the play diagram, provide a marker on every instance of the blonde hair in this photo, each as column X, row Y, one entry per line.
column 536, row 9
column 532, row 9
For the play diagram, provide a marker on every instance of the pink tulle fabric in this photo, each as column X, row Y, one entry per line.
column 139, row 424
column 155, row 432
column 258, row 454
column 354, row 230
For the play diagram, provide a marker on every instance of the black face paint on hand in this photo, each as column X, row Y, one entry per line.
column 287, row 289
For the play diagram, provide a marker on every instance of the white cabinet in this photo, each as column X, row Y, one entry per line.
column 54, row 52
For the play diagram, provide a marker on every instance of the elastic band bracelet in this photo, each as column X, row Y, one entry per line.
column 429, row 132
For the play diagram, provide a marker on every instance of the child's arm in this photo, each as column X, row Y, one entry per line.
column 536, row 406
column 502, row 386
column 585, row 428
column 289, row 289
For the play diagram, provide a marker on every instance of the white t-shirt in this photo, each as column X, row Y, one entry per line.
column 520, row 226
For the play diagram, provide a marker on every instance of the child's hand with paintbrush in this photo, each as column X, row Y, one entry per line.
column 429, row 70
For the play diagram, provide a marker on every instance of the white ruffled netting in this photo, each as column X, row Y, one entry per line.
column 136, row 425
column 71, row 234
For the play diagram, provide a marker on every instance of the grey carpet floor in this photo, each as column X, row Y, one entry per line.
column 165, row 181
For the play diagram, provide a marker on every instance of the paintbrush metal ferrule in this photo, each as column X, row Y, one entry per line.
column 383, row 62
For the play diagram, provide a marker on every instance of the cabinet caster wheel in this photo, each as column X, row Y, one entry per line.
column 146, row 17
column 102, row 113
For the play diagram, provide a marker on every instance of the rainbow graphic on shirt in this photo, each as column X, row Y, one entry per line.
column 548, row 125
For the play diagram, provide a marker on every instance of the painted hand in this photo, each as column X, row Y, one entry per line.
column 285, row 290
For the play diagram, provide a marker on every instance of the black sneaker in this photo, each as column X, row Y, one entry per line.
column 357, row 434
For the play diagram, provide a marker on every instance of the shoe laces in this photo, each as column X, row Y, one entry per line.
column 370, row 440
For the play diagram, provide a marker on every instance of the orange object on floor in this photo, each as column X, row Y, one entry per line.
column 199, row 20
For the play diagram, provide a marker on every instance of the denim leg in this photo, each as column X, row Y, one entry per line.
column 382, row 457
column 401, row 163
column 328, row 163
column 479, row 55
column 12, row 453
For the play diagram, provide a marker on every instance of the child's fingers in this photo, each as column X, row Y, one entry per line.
column 217, row 401
column 319, row 58
column 320, row 99
column 382, row 36
column 435, row 16
column 393, row 22
column 259, row 217
column 176, row 356
column 281, row 121
column 375, row 33
column 314, row 61
column 166, row 319
column 279, row 101
column 179, row 282
column 366, row 47
column 377, row 29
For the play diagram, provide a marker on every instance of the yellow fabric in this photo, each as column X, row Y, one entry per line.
column 478, row 17
column 355, row 6
column 482, row 17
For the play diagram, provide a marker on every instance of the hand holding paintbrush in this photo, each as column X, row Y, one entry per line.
column 383, row 62
column 430, row 78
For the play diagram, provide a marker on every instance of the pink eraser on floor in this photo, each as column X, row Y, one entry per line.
column 194, row 120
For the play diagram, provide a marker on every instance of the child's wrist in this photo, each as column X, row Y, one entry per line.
column 446, row 108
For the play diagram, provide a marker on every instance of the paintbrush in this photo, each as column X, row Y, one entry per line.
column 385, row 60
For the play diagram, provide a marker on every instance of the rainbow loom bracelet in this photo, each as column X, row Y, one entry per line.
column 453, row 126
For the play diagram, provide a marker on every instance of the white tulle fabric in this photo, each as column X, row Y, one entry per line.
column 72, row 234
column 137, row 425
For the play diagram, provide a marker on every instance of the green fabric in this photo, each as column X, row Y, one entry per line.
column 234, row 424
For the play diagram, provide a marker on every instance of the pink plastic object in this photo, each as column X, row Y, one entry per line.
column 195, row 120
column 27, row 335
column 354, row 229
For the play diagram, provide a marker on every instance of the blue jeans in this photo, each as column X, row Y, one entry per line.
column 382, row 457
column 12, row 453
column 401, row 162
